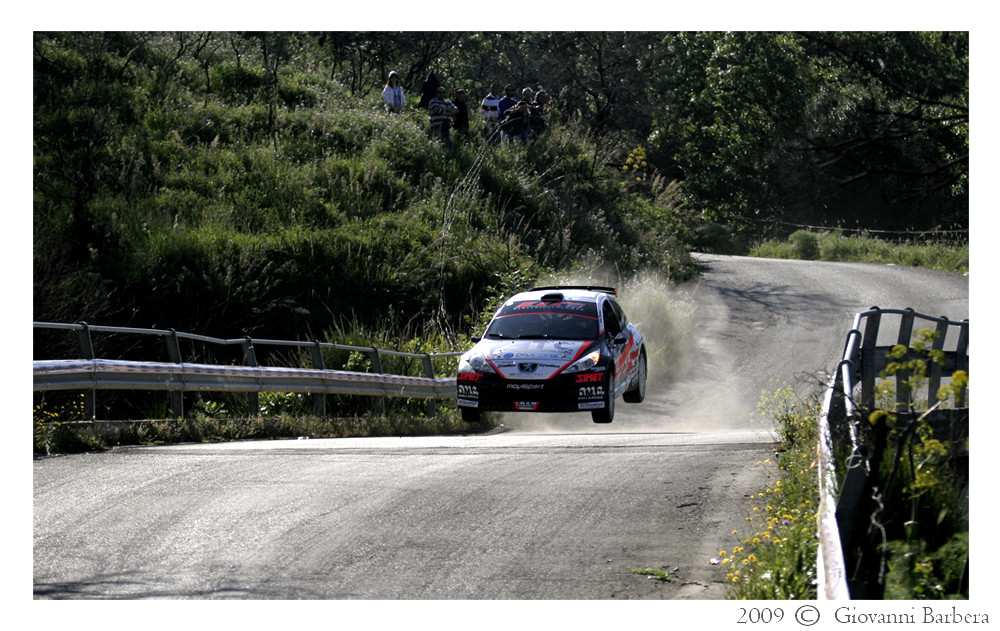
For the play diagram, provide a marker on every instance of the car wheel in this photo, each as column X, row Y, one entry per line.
column 471, row 416
column 608, row 413
column 638, row 393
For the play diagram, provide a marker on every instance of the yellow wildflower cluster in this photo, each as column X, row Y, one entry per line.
column 73, row 410
column 635, row 165
column 777, row 527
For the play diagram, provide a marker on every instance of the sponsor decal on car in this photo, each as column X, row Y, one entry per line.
column 526, row 405
column 551, row 306
column 590, row 377
column 466, row 403
column 469, row 376
column 525, row 386
column 465, row 390
column 591, row 392
column 594, row 405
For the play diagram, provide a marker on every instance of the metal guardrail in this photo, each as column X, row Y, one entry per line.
column 91, row 374
column 851, row 389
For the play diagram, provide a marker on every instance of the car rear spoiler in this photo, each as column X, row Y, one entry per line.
column 607, row 290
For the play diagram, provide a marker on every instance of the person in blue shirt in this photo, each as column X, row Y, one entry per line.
column 507, row 101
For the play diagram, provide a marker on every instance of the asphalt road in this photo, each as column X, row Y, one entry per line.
column 547, row 507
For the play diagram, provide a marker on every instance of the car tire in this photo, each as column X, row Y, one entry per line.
column 637, row 393
column 471, row 416
column 607, row 414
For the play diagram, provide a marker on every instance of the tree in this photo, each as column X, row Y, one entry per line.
column 867, row 129
column 897, row 113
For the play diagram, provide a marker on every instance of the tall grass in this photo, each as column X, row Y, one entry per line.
column 834, row 246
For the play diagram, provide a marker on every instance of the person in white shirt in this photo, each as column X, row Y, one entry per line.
column 393, row 94
column 490, row 111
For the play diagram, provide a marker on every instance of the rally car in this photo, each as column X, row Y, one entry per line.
column 554, row 349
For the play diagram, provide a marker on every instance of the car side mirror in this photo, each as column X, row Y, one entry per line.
column 621, row 338
column 476, row 339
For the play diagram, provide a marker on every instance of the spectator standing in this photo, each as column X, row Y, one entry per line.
column 517, row 119
column 461, row 121
column 506, row 102
column 428, row 90
column 489, row 108
column 538, row 113
column 393, row 94
column 441, row 111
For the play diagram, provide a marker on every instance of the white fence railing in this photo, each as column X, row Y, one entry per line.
column 852, row 389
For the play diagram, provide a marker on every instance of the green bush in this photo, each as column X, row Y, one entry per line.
column 805, row 244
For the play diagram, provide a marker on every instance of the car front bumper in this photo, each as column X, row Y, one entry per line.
column 562, row 393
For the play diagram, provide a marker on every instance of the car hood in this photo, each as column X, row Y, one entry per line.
column 531, row 359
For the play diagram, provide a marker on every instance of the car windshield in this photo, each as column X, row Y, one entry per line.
column 545, row 320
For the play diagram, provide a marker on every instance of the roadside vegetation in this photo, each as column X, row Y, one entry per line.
column 773, row 552
column 911, row 540
column 834, row 245
column 283, row 416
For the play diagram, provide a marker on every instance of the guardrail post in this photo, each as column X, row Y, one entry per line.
column 319, row 398
column 903, row 394
column 934, row 369
column 250, row 359
column 378, row 403
column 429, row 373
column 962, row 354
column 868, row 359
column 87, row 352
column 174, row 355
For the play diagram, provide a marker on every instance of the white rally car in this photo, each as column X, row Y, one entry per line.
column 554, row 349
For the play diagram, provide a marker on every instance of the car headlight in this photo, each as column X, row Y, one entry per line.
column 475, row 361
column 586, row 362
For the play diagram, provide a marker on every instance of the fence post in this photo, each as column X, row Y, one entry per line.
column 868, row 359
column 319, row 398
column 962, row 354
column 934, row 368
column 87, row 352
column 250, row 359
column 378, row 403
column 903, row 395
column 174, row 355
column 429, row 373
